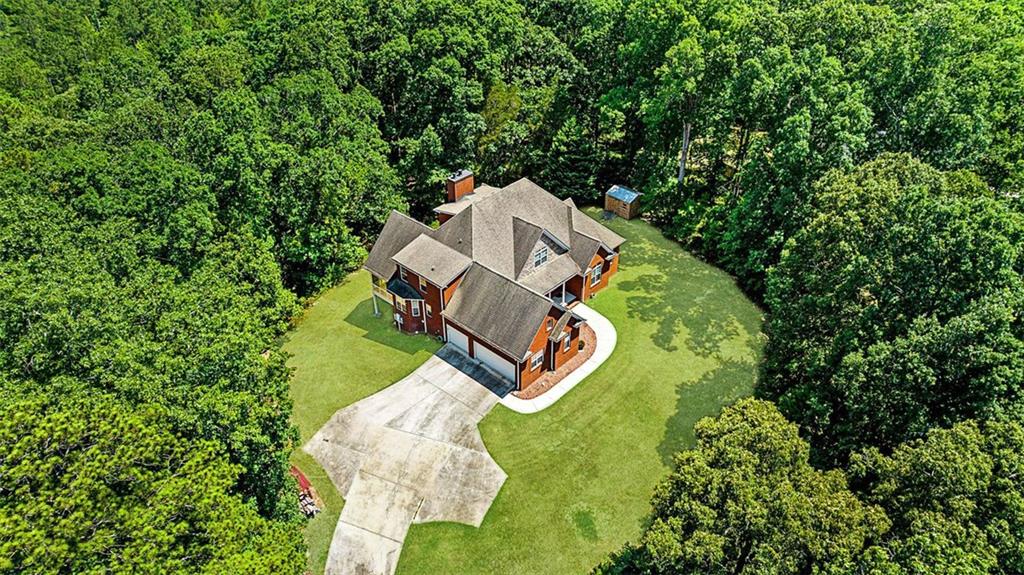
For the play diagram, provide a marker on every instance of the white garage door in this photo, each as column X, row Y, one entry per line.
column 457, row 338
column 495, row 362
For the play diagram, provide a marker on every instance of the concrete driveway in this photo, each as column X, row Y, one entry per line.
column 410, row 453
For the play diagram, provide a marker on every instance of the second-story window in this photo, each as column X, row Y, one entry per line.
column 401, row 274
column 540, row 257
column 423, row 285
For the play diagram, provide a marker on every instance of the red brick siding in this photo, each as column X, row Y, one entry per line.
column 540, row 343
column 608, row 268
column 450, row 290
column 575, row 287
column 458, row 189
column 574, row 347
column 409, row 323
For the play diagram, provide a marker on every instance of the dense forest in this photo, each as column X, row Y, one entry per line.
column 178, row 177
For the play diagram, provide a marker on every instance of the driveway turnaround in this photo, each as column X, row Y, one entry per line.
column 606, row 339
column 410, row 453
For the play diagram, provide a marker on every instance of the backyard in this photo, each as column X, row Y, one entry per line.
column 581, row 472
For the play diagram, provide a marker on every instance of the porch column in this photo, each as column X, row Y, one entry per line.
column 376, row 311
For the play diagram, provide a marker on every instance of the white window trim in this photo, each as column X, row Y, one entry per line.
column 423, row 285
column 568, row 338
column 430, row 310
column 401, row 273
column 415, row 310
column 537, row 360
column 537, row 256
column 549, row 324
column 595, row 276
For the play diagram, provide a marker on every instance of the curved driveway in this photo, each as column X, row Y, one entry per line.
column 412, row 453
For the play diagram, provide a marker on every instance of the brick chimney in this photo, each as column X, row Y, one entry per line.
column 459, row 184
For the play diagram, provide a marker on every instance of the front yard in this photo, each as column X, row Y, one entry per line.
column 581, row 472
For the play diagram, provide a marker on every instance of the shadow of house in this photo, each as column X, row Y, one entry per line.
column 381, row 330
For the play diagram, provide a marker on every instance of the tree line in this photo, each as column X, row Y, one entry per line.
column 176, row 177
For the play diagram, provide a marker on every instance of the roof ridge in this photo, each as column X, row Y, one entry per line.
column 410, row 218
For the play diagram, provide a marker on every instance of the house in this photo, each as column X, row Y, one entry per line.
column 498, row 277
column 623, row 202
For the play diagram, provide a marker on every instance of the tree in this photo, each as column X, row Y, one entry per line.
column 90, row 487
column 746, row 500
column 954, row 498
column 894, row 309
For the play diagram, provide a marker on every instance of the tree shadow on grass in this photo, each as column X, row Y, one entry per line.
column 380, row 329
column 705, row 397
column 682, row 292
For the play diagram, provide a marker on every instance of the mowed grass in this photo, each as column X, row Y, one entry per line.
column 342, row 353
column 581, row 473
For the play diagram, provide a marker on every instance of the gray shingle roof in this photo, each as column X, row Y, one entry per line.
column 583, row 249
column 452, row 208
column 498, row 310
column 551, row 274
column 494, row 231
column 398, row 231
column 524, row 237
column 433, row 260
column 587, row 226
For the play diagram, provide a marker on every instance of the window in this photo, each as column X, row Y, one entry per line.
column 595, row 276
column 401, row 273
column 415, row 309
column 568, row 340
column 550, row 324
column 430, row 310
column 423, row 285
column 536, row 360
column 540, row 257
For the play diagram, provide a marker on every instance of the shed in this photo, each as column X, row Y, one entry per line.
column 622, row 201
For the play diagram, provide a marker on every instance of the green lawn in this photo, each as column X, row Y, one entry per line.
column 341, row 353
column 581, row 472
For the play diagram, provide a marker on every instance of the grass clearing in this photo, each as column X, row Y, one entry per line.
column 342, row 353
column 581, row 472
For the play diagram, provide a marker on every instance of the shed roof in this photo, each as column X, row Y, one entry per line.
column 623, row 193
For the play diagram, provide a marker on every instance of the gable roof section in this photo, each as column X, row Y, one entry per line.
column 457, row 233
column 583, row 250
column 548, row 276
column 431, row 259
column 498, row 310
column 398, row 231
column 583, row 224
column 524, row 237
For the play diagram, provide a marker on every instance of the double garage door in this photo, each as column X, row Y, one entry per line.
column 482, row 354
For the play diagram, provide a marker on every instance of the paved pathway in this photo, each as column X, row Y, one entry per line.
column 410, row 453
column 606, row 339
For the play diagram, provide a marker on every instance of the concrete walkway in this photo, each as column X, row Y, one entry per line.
column 606, row 339
column 410, row 453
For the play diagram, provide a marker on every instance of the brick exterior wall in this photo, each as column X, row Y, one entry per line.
column 410, row 323
column 562, row 356
column 540, row 343
column 580, row 286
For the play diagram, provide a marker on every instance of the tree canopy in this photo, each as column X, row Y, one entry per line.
column 177, row 178
column 746, row 500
